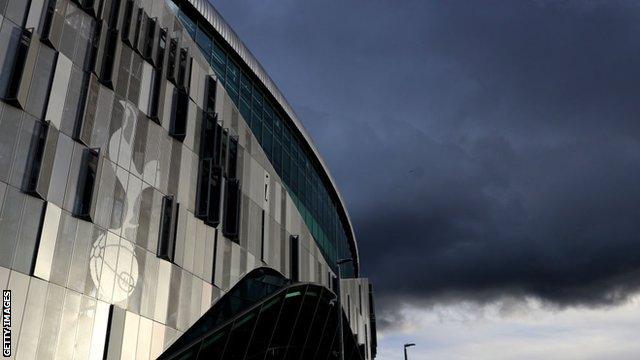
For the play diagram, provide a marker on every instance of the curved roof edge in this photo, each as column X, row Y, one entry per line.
column 206, row 9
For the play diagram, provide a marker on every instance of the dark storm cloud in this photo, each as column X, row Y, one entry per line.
column 485, row 148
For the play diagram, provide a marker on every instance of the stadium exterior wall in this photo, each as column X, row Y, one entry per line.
column 133, row 193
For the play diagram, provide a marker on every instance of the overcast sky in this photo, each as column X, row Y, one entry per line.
column 489, row 155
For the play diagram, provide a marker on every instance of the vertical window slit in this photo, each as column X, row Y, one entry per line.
column 262, row 229
column 294, row 253
column 168, row 229
column 86, row 183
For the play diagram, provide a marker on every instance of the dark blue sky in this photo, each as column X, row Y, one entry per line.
column 485, row 148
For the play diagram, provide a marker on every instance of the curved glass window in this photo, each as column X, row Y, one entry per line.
column 282, row 146
column 299, row 321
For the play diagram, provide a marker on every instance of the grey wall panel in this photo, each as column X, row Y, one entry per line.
column 209, row 255
column 52, row 25
column 68, row 325
column 44, row 257
column 9, row 38
column 116, row 332
column 90, row 105
column 145, row 88
column 157, row 340
column 66, row 239
column 35, row 12
column 22, row 68
column 82, row 235
column 10, row 225
column 143, row 348
column 46, row 162
column 32, row 319
column 21, row 153
column 39, row 83
column 60, row 170
column 4, row 277
column 149, row 285
column 72, row 108
column 198, row 253
column 86, row 319
column 100, row 133
column 174, row 293
column 50, row 330
column 9, row 129
column 19, row 285
column 15, row 11
column 105, row 188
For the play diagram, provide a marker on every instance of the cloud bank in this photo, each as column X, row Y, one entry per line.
column 485, row 149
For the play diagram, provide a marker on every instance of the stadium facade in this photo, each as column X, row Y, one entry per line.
column 160, row 198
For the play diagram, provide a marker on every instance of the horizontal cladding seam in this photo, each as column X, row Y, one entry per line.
column 224, row 29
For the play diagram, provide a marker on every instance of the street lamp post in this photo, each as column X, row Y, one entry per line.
column 340, row 262
column 405, row 349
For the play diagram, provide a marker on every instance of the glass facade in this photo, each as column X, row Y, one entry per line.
column 267, row 317
column 282, row 145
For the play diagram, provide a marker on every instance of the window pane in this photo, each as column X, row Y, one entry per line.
column 264, row 327
column 189, row 25
column 268, row 115
column 204, row 42
column 286, row 320
column 267, row 139
column 240, row 336
column 233, row 77
column 219, row 60
column 213, row 346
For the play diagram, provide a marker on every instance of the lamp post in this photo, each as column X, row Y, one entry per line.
column 405, row 349
column 340, row 262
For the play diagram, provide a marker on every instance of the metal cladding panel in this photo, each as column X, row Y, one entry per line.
column 151, row 52
column 101, row 44
column 22, row 68
column 129, row 29
column 141, row 33
column 41, row 157
column 119, row 19
column 220, row 25
column 105, row 11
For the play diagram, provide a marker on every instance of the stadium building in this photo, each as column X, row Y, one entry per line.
column 159, row 198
